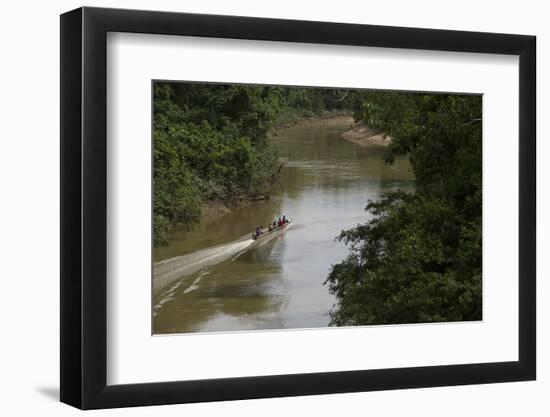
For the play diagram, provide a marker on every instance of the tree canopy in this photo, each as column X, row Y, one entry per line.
column 210, row 143
column 419, row 258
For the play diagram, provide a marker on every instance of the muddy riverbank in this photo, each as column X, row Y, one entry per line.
column 364, row 135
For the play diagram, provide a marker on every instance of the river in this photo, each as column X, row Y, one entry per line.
column 324, row 187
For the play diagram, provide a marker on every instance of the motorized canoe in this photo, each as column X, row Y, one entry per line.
column 267, row 234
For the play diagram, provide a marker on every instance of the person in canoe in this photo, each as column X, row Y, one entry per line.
column 257, row 233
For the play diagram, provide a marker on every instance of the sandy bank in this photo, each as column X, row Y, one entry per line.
column 364, row 135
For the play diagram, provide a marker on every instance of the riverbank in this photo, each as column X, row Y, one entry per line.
column 364, row 135
column 292, row 119
column 213, row 211
column 216, row 279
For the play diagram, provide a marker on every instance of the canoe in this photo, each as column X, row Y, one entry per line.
column 266, row 235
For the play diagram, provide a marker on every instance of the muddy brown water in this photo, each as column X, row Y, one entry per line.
column 222, row 284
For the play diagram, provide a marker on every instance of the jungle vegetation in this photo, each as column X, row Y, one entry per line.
column 210, row 143
column 419, row 258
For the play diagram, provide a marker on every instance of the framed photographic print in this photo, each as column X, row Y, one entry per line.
column 256, row 208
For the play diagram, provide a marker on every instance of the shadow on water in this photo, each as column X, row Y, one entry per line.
column 229, row 227
column 236, row 290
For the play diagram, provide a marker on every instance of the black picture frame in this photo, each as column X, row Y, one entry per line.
column 84, row 207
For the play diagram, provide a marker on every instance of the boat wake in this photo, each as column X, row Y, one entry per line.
column 168, row 270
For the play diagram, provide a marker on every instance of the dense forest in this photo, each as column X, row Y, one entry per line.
column 419, row 258
column 210, row 143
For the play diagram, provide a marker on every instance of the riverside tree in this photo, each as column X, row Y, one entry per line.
column 210, row 143
column 419, row 258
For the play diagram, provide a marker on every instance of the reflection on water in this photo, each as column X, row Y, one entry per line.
column 325, row 185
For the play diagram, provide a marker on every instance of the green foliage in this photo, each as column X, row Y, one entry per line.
column 297, row 103
column 210, row 143
column 419, row 258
